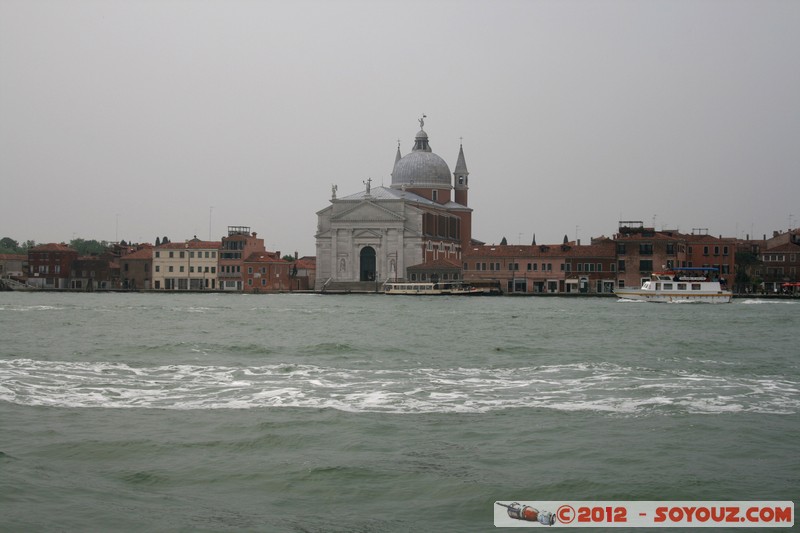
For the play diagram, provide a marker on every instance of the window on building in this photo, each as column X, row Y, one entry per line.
column 705, row 250
column 171, row 268
column 171, row 255
column 181, row 268
column 158, row 254
column 620, row 248
column 621, row 265
column 646, row 265
column 158, row 268
column 213, row 270
column 646, row 248
column 181, row 255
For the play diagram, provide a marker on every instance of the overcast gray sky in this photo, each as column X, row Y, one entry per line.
column 135, row 119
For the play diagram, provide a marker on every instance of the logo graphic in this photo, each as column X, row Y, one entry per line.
column 528, row 513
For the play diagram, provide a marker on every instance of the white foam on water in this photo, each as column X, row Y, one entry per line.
column 599, row 387
column 762, row 301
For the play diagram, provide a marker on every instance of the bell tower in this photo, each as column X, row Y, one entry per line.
column 461, row 179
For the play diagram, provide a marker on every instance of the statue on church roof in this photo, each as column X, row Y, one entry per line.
column 422, row 121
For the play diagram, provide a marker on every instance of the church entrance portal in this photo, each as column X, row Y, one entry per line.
column 367, row 266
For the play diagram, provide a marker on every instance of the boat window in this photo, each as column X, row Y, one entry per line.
column 658, row 286
column 695, row 286
column 668, row 286
column 681, row 286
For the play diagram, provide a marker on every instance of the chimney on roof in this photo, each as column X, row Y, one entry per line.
column 255, row 234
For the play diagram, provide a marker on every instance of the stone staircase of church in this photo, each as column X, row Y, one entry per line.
column 339, row 287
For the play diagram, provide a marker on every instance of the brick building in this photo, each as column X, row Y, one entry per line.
column 13, row 266
column 265, row 272
column 92, row 272
column 50, row 265
column 136, row 269
column 240, row 244
column 780, row 262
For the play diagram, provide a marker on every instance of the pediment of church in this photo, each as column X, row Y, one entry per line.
column 367, row 212
column 367, row 234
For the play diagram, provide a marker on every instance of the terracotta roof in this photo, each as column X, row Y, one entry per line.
column 13, row 257
column 657, row 236
column 308, row 264
column 191, row 245
column 144, row 253
column 543, row 250
column 701, row 238
column 438, row 263
column 53, row 247
column 263, row 257
column 787, row 247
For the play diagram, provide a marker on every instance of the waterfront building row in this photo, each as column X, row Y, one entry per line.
column 238, row 262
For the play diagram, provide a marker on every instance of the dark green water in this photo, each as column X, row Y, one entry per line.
column 376, row 413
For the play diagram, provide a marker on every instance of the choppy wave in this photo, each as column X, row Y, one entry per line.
column 761, row 301
column 599, row 387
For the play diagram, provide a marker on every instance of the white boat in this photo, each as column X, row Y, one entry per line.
column 430, row 288
column 680, row 285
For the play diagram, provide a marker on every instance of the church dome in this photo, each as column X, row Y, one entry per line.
column 421, row 168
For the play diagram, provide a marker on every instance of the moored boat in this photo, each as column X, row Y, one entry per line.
column 698, row 284
column 430, row 288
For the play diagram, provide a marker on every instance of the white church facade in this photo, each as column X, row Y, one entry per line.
column 377, row 234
